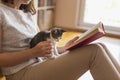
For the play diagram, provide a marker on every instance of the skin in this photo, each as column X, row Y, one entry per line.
column 43, row 49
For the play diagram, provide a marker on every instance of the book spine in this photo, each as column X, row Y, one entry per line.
column 87, row 41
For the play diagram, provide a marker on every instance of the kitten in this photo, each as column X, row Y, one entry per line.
column 54, row 34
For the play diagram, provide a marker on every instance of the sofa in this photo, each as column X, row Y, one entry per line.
column 2, row 78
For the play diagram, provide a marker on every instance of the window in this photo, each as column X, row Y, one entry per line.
column 106, row 11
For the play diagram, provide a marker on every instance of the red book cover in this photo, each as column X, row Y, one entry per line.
column 89, row 36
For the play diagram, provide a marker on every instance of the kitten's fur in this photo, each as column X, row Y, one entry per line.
column 54, row 35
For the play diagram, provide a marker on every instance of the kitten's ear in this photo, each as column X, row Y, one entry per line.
column 63, row 30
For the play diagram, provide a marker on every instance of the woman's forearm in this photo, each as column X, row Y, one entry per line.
column 14, row 58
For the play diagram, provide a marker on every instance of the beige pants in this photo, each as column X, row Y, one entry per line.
column 71, row 66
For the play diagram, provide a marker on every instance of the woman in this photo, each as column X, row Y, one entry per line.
column 19, row 62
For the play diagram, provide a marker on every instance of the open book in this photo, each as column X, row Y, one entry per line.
column 89, row 36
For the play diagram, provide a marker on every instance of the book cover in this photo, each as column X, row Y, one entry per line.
column 89, row 36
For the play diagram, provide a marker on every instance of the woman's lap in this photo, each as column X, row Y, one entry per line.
column 68, row 66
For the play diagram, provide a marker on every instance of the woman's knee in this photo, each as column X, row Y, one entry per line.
column 102, row 44
column 96, row 45
column 99, row 46
column 98, row 49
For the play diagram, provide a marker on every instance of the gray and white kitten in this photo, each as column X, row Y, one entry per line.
column 54, row 34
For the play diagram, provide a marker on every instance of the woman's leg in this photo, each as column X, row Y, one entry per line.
column 111, row 57
column 72, row 65
column 103, row 67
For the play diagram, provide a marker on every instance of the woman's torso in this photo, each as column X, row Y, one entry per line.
column 18, row 28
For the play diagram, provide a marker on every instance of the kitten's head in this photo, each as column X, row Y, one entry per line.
column 56, row 33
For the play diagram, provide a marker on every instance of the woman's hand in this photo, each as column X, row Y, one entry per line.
column 43, row 49
column 64, row 48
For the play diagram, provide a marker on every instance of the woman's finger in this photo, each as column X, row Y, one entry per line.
column 75, row 38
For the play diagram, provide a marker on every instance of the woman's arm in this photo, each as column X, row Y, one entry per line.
column 64, row 48
column 14, row 58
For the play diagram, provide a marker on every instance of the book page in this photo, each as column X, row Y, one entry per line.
column 90, row 35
